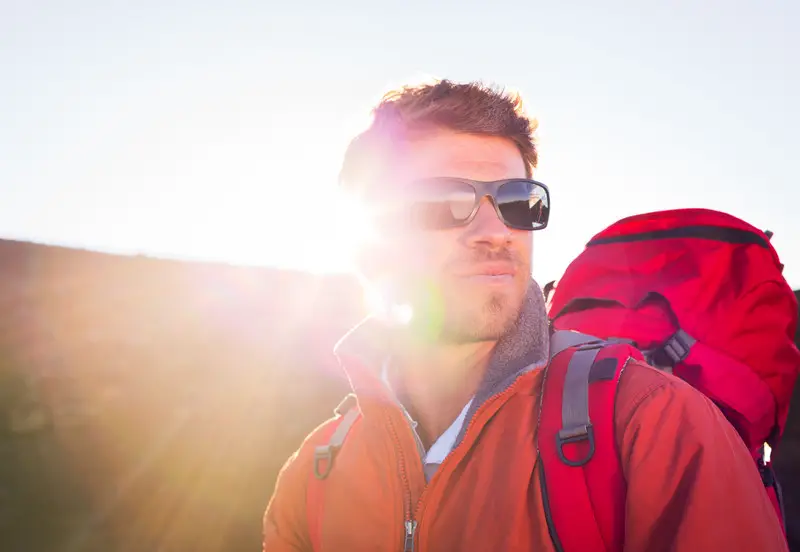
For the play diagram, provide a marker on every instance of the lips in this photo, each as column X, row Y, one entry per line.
column 493, row 269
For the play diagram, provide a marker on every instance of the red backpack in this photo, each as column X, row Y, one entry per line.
column 700, row 294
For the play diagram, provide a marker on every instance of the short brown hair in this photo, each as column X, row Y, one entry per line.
column 471, row 108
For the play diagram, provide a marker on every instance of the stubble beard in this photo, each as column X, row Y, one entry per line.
column 446, row 310
column 470, row 321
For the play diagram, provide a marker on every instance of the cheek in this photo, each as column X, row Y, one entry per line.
column 418, row 255
column 524, row 246
column 526, row 253
column 422, row 255
column 400, row 259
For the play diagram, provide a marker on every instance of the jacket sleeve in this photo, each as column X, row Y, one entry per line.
column 285, row 526
column 692, row 484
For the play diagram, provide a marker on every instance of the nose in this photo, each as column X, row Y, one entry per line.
column 486, row 229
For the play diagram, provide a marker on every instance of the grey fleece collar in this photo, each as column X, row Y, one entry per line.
column 525, row 347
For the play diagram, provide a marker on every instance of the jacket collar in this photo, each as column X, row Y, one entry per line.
column 362, row 351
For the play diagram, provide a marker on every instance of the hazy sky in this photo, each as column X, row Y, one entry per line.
column 214, row 130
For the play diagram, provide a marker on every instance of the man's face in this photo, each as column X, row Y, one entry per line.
column 450, row 276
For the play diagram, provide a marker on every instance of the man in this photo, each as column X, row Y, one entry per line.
column 443, row 456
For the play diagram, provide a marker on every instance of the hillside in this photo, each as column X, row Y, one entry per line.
column 148, row 404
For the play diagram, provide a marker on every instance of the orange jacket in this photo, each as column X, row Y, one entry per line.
column 692, row 484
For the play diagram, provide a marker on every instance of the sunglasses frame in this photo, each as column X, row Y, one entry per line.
column 490, row 189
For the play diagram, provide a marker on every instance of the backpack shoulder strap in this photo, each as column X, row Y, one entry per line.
column 561, row 340
column 324, row 455
column 583, row 487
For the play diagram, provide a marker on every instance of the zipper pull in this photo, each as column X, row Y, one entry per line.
column 411, row 528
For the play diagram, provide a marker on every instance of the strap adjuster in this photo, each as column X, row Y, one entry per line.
column 323, row 453
column 347, row 403
column 674, row 350
column 678, row 347
column 575, row 435
column 327, row 453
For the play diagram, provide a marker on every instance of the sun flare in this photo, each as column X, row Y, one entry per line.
column 324, row 236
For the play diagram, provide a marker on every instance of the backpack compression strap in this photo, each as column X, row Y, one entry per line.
column 583, row 487
column 324, row 456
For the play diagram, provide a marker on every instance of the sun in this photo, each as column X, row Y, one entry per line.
column 349, row 228
column 321, row 233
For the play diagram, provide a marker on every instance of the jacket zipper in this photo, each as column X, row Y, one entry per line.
column 411, row 529
column 409, row 523
column 412, row 517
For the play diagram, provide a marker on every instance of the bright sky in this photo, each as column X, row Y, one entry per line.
column 214, row 130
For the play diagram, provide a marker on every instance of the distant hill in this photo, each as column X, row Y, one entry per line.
column 148, row 404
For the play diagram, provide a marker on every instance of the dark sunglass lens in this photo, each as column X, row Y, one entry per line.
column 524, row 204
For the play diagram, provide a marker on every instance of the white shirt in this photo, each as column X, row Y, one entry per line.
column 434, row 456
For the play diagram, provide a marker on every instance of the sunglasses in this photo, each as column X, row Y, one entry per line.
column 446, row 202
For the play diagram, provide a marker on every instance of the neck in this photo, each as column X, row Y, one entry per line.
column 435, row 381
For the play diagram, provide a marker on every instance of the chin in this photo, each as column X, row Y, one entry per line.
column 485, row 320
column 501, row 312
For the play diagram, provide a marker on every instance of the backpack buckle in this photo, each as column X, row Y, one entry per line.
column 326, row 453
column 767, row 475
column 347, row 403
column 323, row 454
column 575, row 435
column 676, row 348
column 765, row 470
